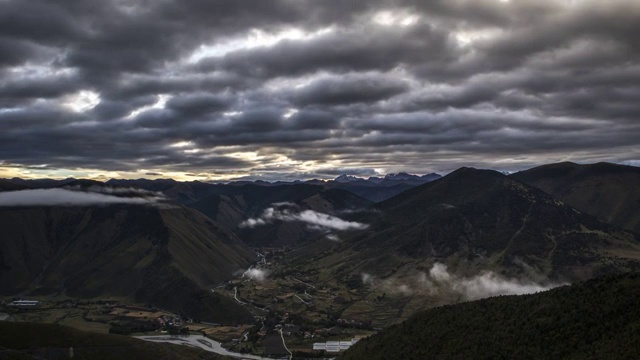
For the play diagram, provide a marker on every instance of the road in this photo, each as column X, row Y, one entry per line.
column 285, row 345
column 200, row 342
column 235, row 295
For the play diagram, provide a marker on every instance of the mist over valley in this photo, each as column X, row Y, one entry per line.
column 320, row 261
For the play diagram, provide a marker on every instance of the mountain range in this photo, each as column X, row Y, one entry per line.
column 609, row 192
column 483, row 219
column 550, row 225
column 167, row 256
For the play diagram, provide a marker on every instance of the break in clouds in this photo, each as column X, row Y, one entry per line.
column 314, row 219
column 66, row 197
column 439, row 281
column 279, row 89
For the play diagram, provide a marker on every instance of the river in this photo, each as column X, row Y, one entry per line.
column 201, row 342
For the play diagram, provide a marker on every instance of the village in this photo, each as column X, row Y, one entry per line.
column 292, row 316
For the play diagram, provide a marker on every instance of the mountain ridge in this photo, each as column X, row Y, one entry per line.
column 607, row 191
column 169, row 256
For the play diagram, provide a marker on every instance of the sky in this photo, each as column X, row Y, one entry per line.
column 299, row 89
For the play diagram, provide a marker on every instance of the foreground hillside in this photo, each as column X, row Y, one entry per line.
column 598, row 319
column 167, row 256
column 49, row 341
column 608, row 191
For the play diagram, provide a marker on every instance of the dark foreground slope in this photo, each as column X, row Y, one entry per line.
column 608, row 191
column 50, row 341
column 598, row 319
column 168, row 256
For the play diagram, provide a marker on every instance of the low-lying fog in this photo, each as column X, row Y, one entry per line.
column 439, row 281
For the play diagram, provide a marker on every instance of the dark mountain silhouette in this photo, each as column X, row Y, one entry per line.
column 6, row 185
column 41, row 183
column 608, row 191
column 597, row 319
column 166, row 255
column 475, row 220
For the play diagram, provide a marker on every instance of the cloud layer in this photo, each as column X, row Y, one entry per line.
column 256, row 274
column 314, row 220
column 439, row 281
column 66, row 197
column 274, row 88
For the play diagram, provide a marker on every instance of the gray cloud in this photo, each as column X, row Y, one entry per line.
column 314, row 219
column 387, row 85
column 350, row 88
column 439, row 281
column 256, row 274
column 66, row 197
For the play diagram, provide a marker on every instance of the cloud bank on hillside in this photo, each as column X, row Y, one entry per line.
column 256, row 274
column 310, row 217
column 66, row 197
column 439, row 281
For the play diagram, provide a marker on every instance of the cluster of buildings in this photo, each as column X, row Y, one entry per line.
column 25, row 304
column 334, row 346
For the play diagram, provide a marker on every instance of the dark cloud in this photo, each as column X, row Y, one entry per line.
column 199, row 103
column 279, row 89
column 344, row 49
column 350, row 88
column 312, row 119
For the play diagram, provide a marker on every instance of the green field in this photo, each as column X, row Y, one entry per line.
column 52, row 341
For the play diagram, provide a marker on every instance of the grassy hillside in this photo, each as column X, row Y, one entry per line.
column 169, row 256
column 473, row 222
column 608, row 191
column 482, row 220
column 598, row 319
column 48, row 341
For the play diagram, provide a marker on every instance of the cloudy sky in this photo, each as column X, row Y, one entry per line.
column 280, row 89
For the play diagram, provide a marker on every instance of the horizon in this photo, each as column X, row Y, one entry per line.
column 270, row 89
column 303, row 180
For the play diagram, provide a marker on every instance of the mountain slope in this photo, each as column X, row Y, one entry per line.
column 598, row 319
column 480, row 219
column 476, row 225
column 6, row 185
column 608, row 191
column 234, row 204
column 165, row 255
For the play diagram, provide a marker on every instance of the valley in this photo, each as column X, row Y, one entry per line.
column 287, row 269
